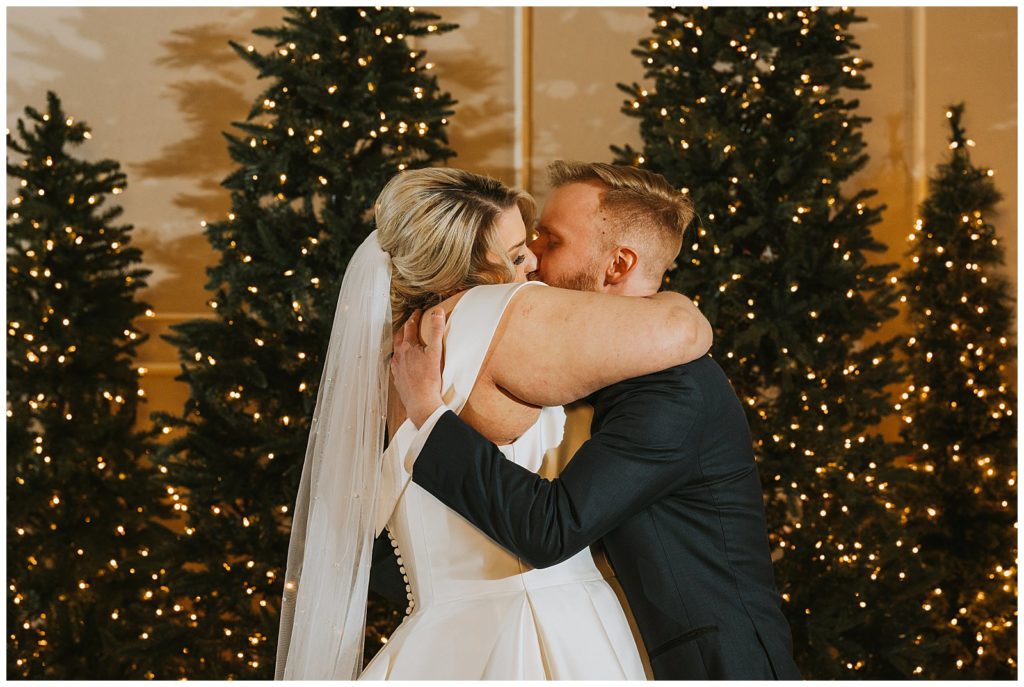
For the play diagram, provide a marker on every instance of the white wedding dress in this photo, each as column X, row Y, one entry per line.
column 478, row 611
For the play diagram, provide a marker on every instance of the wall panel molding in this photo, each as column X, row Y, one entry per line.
column 917, row 49
column 523, row 77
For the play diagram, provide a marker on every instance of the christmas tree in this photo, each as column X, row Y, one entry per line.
column 958, row 410
column 82, row 502
column 748, row 111
column 348, row 105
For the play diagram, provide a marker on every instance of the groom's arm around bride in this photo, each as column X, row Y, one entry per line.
column 667, row 481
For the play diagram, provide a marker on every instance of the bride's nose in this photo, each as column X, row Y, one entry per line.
column 531, row 261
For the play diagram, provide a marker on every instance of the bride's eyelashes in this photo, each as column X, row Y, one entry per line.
column 519, row 259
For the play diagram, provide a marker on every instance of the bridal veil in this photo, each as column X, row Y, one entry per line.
column 323, row 607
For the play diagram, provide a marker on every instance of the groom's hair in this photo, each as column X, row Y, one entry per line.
column 638, row 204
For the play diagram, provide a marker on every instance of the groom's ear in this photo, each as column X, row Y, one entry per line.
column 623, row 262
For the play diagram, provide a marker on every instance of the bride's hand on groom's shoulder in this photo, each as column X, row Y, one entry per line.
column 416, row 367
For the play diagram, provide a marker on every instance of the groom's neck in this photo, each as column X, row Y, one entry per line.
column 631, row 287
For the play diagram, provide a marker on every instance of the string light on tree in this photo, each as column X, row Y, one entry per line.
column 79, row 489
column 958, row 409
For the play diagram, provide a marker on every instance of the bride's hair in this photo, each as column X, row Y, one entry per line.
column 438, row 224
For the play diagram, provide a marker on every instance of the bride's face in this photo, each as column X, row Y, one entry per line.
column 512, row 233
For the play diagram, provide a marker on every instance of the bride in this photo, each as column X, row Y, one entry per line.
column 448, row 239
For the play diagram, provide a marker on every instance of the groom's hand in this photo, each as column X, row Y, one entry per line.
column 417, row 368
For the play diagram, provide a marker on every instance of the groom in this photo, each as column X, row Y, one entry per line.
column 667, row 480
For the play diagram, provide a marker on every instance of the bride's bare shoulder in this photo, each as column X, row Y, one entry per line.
column 447, row 304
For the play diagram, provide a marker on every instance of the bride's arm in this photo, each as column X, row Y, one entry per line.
column 556, row 345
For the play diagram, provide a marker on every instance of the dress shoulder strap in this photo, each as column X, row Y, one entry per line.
column 468, row 334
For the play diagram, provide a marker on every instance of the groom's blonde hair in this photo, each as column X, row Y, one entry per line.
column 636, row 204
column 439, row 224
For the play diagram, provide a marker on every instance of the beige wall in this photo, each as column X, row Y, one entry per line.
column 159, row 85
column 925, row 59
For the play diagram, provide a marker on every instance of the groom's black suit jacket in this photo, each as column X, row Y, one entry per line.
column 668, row 481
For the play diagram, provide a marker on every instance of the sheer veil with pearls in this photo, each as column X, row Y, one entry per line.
column 323, row 607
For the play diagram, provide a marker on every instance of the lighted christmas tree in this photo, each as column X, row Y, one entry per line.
column 348, row 104
column 958, row 411
column 81, row 496
column 747, row 110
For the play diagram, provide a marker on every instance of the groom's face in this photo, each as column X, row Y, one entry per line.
column 569, row 238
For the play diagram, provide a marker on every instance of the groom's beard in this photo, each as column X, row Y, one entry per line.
column 578, row 281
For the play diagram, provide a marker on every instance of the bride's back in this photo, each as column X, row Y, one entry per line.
column 476, row 610
column 446, row 548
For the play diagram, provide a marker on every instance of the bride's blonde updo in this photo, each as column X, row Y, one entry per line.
column 438, row 224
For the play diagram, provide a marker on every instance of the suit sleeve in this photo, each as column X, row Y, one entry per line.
column 644, row 447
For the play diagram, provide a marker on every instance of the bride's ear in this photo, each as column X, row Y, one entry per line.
column 623, row 261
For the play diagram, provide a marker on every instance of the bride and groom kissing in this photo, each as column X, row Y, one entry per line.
column 440, row 444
